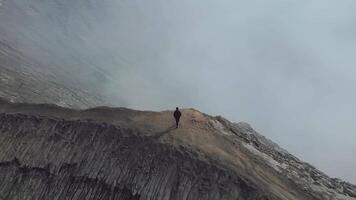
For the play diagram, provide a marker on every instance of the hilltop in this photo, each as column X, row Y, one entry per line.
column 51, row 152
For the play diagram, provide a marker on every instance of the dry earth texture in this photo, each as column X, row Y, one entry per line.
column 50, row 152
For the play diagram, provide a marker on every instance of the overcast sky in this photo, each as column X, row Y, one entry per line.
column 287, row 67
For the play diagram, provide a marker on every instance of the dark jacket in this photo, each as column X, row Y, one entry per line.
column 177, row 114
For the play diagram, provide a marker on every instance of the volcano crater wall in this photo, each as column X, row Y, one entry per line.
column 49, row 158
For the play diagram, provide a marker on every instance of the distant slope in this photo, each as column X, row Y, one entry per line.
column 23, row 79
column 26, row 85
column 49, row 152
column 39, row 61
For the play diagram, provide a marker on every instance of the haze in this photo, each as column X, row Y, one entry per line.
column 286, row 67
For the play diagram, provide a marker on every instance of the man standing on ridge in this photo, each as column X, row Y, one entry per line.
column 177, row 115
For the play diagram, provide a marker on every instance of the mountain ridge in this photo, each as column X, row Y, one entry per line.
column 254, row 161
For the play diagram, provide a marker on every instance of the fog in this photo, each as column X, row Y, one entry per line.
column 286, row 67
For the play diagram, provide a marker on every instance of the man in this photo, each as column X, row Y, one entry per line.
column 177, row 115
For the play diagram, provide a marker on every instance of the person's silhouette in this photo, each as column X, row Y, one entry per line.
column 177, row 115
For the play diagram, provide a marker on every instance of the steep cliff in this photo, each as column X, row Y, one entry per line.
column 49, row 152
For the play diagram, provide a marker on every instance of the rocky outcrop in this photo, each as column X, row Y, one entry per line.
column 49, row 152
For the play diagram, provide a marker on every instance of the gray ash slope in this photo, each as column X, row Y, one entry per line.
column 23, row 79
column 50, row 152
column 39, row 62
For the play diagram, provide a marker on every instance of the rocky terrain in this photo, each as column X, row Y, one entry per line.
column 50, row 152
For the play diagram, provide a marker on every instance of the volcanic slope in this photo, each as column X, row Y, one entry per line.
column 50, row 152
column 24, row 80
